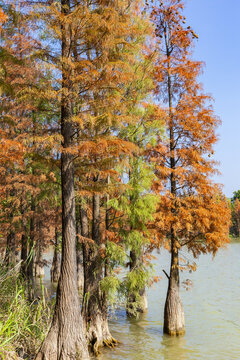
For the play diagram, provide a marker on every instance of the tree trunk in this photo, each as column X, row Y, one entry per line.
column 10, row 254
column 136, row 303
column 24, row 246
column 80, row 274
column 95, row 308
column 39, row 263
column 66, row 339
column 30, row 261
column 174, row 324
column 56, row 263
column 24, row 253
column 79, row 255
column 173, row 311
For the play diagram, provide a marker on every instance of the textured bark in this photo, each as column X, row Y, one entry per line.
column 173, row 312
column 30, row 260
column 24, row 246
column 66, row 339
column 95, row 308
column 32, row 242
column 56, row 263
column 80, row 271
column 39, row 263
column 24, row 254
column 80, row 274
column 10, row 254
column 136, row 303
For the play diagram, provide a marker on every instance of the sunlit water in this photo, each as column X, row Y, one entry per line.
column 212, row 315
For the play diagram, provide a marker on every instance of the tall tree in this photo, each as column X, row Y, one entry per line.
column 66, row 338
column 104, row 109
column 192, row 211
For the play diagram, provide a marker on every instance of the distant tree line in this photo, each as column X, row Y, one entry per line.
column 235, row 214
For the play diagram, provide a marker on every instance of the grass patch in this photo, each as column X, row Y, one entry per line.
column 23, row 324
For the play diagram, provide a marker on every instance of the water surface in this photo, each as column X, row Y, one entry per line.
column 212, row 315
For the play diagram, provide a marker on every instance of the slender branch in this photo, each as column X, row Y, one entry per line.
column 166, row 275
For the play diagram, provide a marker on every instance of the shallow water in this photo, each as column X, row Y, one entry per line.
column 212, row 315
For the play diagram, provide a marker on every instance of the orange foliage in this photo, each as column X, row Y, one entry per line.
column 192, row 211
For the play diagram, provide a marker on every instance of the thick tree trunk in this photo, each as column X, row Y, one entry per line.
column 136, row 303
column 95, row 308
column 66, row 339
column 56, row 263
column 174, row 324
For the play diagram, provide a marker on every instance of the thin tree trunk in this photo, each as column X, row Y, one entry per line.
column 136, row 303
column 10, row 254
column 95, row 309
column 174, row 323
column 39, row 263
column 24, row 251
column 56, row 263
column 79, row 255
column 66, row 339
column 24, row 247
column 107, row 224
column 31, row 253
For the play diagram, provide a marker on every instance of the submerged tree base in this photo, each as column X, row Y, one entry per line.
column 174, row 324
column 174, row 332
column 137, row 305
column 96, row 346
column 98, row 334
column 56, row 347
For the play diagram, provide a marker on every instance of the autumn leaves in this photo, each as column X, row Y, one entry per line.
column 107, row 106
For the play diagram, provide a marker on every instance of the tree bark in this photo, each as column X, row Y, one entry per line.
column 66, row 339
column 10, row 254
column 174, row 324
column 80, row 274
column 24, row 254
column 31, row 243
column 136, row 303
column 24, row 246
column 31, row 253
column 39, row 263
column 95, row 308
column 56, row 263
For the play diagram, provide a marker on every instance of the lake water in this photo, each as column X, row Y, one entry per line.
column 212, row 315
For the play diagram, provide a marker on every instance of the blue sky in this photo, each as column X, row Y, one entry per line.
column 217, row 24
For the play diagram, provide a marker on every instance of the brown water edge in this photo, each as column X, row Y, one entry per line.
column 212, row 314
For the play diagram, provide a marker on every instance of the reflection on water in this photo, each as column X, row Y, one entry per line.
column 212, row 313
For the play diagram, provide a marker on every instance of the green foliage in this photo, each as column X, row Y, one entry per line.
column 235, row 214
column 136, row 279
column 23, row 324
column 115, row 253
column 111, row 285
column 236, row 195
